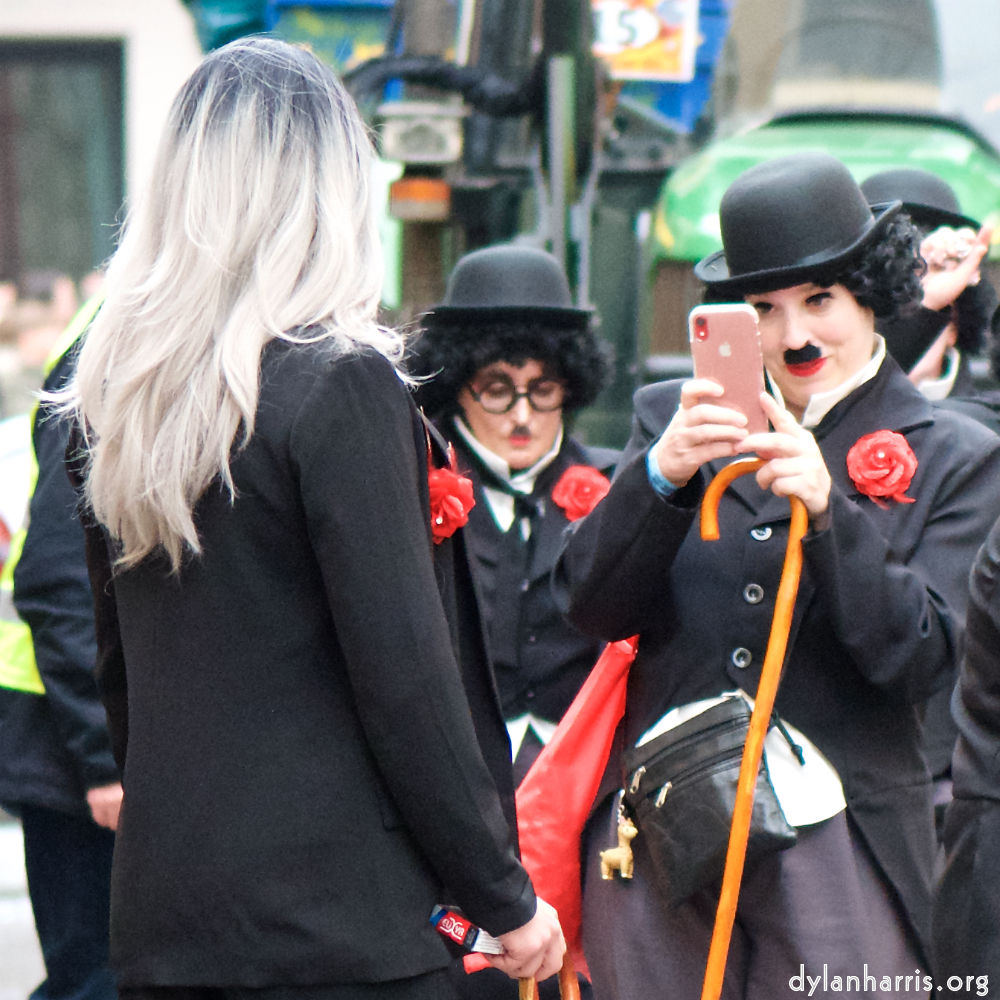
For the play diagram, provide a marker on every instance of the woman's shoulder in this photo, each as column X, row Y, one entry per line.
column 959, row 437
column 296, row 372
column 327, row 358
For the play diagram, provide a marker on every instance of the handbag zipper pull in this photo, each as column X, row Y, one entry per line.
column 661, row 798
column 636, row 778
column 792, row 745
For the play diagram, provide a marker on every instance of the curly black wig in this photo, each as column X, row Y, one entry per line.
column 884, row 276
column 450, row 354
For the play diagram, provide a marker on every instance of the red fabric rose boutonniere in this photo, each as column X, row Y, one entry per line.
column 451, row 500
column 579, row 490
column 882, row 465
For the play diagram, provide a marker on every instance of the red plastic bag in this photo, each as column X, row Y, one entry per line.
column 554, row 800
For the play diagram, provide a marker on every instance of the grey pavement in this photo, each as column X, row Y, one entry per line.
column 21, row 968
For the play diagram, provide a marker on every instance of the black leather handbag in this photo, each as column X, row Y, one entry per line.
column 680, row 790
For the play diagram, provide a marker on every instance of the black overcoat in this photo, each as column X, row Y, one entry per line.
column 302, row 775
column 540, row 659
column 879, row 620
column 967, row 905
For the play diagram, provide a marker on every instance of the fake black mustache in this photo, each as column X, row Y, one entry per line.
column 521, row 432
column 803, row 355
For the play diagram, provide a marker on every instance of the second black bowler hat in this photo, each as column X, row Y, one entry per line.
column 788, row 221
column 509, row 283
column 927, row 198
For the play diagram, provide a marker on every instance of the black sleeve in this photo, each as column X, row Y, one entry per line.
column 615, row 567
column 52, row 595
column 903, row 619
column 353, row 450
column 111, row 678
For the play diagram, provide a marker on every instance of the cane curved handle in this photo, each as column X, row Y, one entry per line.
column 718, row 486
column 569, row 985
column 767, row 689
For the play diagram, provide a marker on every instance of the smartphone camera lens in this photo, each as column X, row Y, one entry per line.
column 701, row 328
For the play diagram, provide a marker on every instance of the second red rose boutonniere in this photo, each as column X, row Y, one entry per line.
column 579, row 490
column 882, row 465
column 451, row 500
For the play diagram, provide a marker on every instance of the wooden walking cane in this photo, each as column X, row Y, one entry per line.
column 760, row 720
column 569, row 985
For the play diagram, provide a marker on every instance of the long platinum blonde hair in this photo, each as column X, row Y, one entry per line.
column 257, row 224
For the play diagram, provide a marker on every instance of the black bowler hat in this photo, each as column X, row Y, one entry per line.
column 789, row 220
column 927, row 199
column 509, row 283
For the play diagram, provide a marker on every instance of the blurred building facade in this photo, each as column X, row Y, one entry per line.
column 84, row 89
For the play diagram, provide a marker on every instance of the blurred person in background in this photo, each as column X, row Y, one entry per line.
column 510, row 361
column 967, row 904
column 29, row 328
column 57, row 772
column 933, row 342
column 303, row 781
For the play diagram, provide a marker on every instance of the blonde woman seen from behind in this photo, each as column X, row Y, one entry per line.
column 302, row 776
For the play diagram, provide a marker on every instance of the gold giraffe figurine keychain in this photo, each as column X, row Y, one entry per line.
column 620, row 858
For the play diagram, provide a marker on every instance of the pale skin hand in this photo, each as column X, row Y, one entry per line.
column 794, row 465
column 944, row 282
column 105, row 803
column 535, row 949
column 699, row 432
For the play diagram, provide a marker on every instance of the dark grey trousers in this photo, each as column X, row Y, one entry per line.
column 822, row 904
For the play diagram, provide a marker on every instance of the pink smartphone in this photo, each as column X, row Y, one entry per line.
column 725, row 347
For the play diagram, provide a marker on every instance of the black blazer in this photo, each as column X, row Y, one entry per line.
column 302, row 776
column 540, row 658
column 879, row 619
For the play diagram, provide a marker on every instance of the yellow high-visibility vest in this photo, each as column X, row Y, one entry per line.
column 17, row 654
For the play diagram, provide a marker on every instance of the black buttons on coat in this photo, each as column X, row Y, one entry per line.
column 742, row 657
column 753, row 593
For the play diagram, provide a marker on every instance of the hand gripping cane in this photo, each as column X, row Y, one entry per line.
column 760, row 719
column 569, row 986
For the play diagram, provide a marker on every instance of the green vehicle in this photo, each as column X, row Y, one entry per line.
column 877, row 83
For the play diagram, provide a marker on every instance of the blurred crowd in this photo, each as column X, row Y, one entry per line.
column 33, row 312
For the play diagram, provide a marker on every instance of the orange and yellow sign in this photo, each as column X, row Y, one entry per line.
column 647, row 39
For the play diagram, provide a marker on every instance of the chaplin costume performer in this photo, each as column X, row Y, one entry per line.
column 303, row 779
column 967, row 905
column 511, row 361
column 899, row 497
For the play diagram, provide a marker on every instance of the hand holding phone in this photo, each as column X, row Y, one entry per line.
column 725, row 348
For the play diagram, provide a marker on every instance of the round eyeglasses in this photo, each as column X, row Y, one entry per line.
column 500, row 395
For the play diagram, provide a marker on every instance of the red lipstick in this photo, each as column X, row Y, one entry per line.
column 806, row 368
